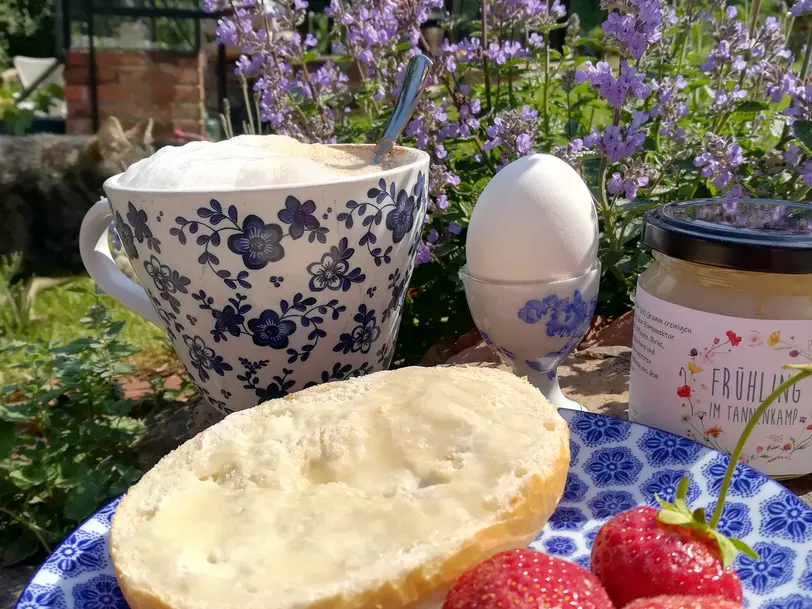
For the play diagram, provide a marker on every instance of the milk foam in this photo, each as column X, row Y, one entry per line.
column 243, row 162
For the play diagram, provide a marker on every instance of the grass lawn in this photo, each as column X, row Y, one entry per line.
column 57, row 312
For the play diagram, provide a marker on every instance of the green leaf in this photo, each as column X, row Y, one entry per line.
column 699, row 515
column 13, row 415
column 7, row 437
column 803, row 131
column 674, row 517
column 115, row 328
column 744, row 548
column 751, row 106
column 682, row 487
column 24, row 546
column 81, row 502
column 28, row 477
column 726, row 547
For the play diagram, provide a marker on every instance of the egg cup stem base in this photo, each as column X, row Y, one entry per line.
column 552, row 391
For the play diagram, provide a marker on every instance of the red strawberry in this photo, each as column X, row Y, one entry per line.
column 636, row 555
column 684, row 602
column 525, row 579
column 645, row 553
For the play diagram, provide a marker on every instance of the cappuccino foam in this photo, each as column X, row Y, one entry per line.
column 246, row 161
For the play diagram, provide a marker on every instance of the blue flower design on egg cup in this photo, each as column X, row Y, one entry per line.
column 534, row 325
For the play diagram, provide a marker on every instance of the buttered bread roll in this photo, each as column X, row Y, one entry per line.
column 371, row 493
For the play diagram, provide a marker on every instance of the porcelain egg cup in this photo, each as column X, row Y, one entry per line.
column 533, row 326
column 264, row 291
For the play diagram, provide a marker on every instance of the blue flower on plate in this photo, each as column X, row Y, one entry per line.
column 786, row 517
column 101, row 592
column 611, row 466
column 805, row 583
column 664, row 485
column 594, row 430
column 575, row 490
column 105, row 515
column 36, row 596
column 560, row 546
column 567, row 519
column 609, row 503
column 793, row 601
column 589, row 537
column 772, row 569
column 582, row 561
column 663, row 448
column 735, row 520
column 258, row 243
column 746, row 481
column 79, row 553
column 574, row 450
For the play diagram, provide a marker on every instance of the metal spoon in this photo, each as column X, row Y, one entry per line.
column 413, row 84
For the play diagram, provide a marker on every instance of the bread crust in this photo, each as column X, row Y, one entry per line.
column 517, row 527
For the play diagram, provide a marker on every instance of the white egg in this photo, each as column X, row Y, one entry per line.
column 534, row 221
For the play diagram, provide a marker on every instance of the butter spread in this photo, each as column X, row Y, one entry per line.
column 311, row 493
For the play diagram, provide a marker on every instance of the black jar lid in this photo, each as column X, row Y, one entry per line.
column 760, row 235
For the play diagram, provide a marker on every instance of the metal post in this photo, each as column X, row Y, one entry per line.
column 91, row 58
column 59, row 42
column 222, row 90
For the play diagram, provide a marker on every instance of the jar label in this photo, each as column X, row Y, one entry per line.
column 702, row 376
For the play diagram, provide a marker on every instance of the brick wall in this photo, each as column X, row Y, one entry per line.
column 167, row 87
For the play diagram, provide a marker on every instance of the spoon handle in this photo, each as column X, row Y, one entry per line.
column 413, row 84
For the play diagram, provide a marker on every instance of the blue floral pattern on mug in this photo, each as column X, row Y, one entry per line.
column 400, row 207
column 239, row 253
column 781, row 577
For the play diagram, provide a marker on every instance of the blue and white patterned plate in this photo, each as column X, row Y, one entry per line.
column 616, row 465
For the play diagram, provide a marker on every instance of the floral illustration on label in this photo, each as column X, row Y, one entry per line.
column 703, row 376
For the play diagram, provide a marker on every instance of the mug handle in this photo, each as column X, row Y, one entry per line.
column 98, row 261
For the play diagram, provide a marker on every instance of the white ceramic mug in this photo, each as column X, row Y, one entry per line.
column 266, row 291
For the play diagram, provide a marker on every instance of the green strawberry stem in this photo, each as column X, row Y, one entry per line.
column 805, row 370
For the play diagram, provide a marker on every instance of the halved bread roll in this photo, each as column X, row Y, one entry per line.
column 370, row 493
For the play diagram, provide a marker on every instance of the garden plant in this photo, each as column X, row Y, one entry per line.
column 662, row 102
